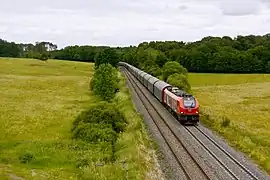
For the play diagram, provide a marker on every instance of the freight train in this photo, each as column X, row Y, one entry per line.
column 184, row 106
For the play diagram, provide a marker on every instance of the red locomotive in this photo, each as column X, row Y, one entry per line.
column 184, row 106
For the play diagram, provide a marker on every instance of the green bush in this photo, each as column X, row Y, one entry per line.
column 171, row 68
column 100, row 124
column 225, row 122
column 94, row 133
column 102, row 113
column 180, row 81
column 26, row 157
column 105, row 82
column 82, row 162
column 36, row 55
column 43, row 57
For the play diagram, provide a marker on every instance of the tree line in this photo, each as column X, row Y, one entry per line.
column 39, row 50
column 242, row 54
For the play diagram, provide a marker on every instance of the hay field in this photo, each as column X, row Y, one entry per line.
column 39, row 100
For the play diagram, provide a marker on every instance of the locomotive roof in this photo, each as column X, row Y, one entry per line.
column 179, row 92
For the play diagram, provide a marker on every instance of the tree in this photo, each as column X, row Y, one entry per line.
column 180, row 81
column 129, row 57
column 161, row 59
column 105, row 82
column 172, row 67
column 9, row 49
column 107, row 55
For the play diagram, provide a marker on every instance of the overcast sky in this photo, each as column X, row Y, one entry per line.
column 129, row 22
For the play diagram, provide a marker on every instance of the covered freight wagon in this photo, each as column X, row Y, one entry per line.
column 151, row 83
column 159, row 88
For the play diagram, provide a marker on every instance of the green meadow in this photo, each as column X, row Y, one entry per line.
column 39, row 102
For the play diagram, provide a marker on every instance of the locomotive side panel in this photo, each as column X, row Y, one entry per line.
column 171, row 100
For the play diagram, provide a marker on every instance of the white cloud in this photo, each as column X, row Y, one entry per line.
column 126, row 22
column 240, row 7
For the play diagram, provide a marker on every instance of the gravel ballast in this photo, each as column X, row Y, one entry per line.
column 211, row 165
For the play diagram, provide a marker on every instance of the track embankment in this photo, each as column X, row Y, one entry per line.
column 190, row 151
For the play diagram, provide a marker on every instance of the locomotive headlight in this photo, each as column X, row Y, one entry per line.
column 197, row 112
column 182, row 112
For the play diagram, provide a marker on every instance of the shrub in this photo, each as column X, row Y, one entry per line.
column 101, row 123
column 102, row 113
column 171, row 68
column 180, row 81
column 36, row 55
column 105, row 82
column 26, row 157
column 94, row 133
column 225, row 122
column 80, row 163
column 43, row 57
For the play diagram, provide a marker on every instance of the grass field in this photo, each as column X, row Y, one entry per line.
column 39, row 101
column 238, row 107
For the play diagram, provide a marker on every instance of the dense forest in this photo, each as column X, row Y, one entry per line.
column 242, row 54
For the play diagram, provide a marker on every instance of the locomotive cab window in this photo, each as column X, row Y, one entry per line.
column 189, row 102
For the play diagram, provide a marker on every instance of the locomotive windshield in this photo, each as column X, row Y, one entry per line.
column 189, row 102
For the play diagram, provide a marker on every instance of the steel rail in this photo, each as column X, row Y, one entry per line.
column 228, row 154
column 185, row 171
column 213, row 155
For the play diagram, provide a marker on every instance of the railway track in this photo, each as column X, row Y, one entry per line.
column 230, row 163
column 197, row 171
column 192, row 165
